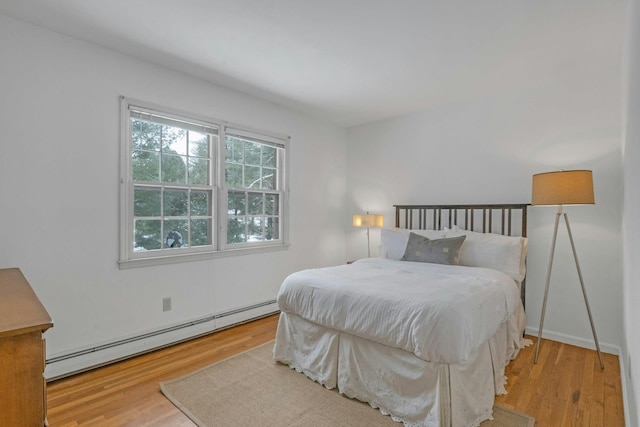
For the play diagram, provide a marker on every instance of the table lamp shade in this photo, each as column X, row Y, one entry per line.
column 368, row 220
column 574, row 187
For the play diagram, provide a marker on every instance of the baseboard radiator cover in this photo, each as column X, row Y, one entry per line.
column 75, row 362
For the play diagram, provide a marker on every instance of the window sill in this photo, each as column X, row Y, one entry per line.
column 175, row 259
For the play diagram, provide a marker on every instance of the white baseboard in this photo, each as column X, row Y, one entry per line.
column 623, row 379
column 61, row 365
column 573, row 340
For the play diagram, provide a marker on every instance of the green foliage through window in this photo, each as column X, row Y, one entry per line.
column 171, row 171
column 251, row 175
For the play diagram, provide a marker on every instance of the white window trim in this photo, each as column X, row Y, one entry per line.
column 220, row 249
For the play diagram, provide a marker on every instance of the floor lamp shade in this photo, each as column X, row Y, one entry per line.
column 573, row 187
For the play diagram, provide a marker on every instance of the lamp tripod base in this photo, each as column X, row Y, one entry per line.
column 546, row 288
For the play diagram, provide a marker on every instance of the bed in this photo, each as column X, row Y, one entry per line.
column 424, row 332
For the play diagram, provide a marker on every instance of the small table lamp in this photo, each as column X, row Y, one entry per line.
column 563, row 188
column 368, row 220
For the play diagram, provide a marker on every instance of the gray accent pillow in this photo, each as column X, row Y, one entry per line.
column 436, row 251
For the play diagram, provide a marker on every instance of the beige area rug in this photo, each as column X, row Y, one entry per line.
column 250, row 389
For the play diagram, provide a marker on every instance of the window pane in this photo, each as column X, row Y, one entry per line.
column 252, row 153
column 198, row 144
column 176, row 202
column 272, row 204
column 147, row 202
column 148, row 235
column 233, row 175
column 269, row 156
column 200, row 232
column 255, row 229
column 145, row 135
column 145, row 166
column 236, row 203
column 255, row 202
column 200, row 203
column 174, row 140
column 234, row 150
column 252, row 177
column 236, row 230
column 198, row 171
column 268, row 179
column 174, row 169
column 272, row 229
column 176, row 232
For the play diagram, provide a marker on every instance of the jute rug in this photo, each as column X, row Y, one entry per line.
column 250, row 389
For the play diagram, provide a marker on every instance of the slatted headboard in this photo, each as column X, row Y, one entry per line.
column 505, row 219
column 501, row 219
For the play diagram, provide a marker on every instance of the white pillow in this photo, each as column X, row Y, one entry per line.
column 393, row 241
column 489, row 250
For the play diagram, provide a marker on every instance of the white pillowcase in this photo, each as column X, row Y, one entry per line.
column 489, row 250
column 393, row 241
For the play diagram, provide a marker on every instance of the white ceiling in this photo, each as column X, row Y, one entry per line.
column 346, row 61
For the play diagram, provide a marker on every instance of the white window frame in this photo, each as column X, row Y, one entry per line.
column 280, row 145
column 219, row 247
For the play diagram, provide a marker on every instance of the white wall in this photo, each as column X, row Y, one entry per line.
column 485, row 150
column 59, row 170
column 631, row 214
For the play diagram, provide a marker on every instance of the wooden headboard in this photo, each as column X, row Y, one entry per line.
column 508, row 220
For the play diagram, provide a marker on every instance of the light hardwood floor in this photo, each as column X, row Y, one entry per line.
column 566, row 387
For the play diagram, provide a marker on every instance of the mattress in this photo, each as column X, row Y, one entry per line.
column 439, row 313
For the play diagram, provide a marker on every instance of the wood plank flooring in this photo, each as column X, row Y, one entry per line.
column 566, row 387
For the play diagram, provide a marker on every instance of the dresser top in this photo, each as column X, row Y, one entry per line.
column 20, row 309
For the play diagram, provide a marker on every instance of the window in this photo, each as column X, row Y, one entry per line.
column 175, row 169
column 253, row 180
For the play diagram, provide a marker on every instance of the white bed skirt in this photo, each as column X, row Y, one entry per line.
column 412, row 391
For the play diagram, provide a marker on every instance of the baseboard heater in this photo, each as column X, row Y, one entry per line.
column 167, row 330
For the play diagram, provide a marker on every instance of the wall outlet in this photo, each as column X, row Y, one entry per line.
column 166, row 304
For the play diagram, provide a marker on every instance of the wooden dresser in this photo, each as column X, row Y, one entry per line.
column 23, row 320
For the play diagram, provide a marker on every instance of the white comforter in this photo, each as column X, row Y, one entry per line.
column 440, row 313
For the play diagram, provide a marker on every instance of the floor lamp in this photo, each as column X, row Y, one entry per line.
column 563, row 188
column 368, row 220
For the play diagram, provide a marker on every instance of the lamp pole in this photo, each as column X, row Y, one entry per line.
column 546, row 288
